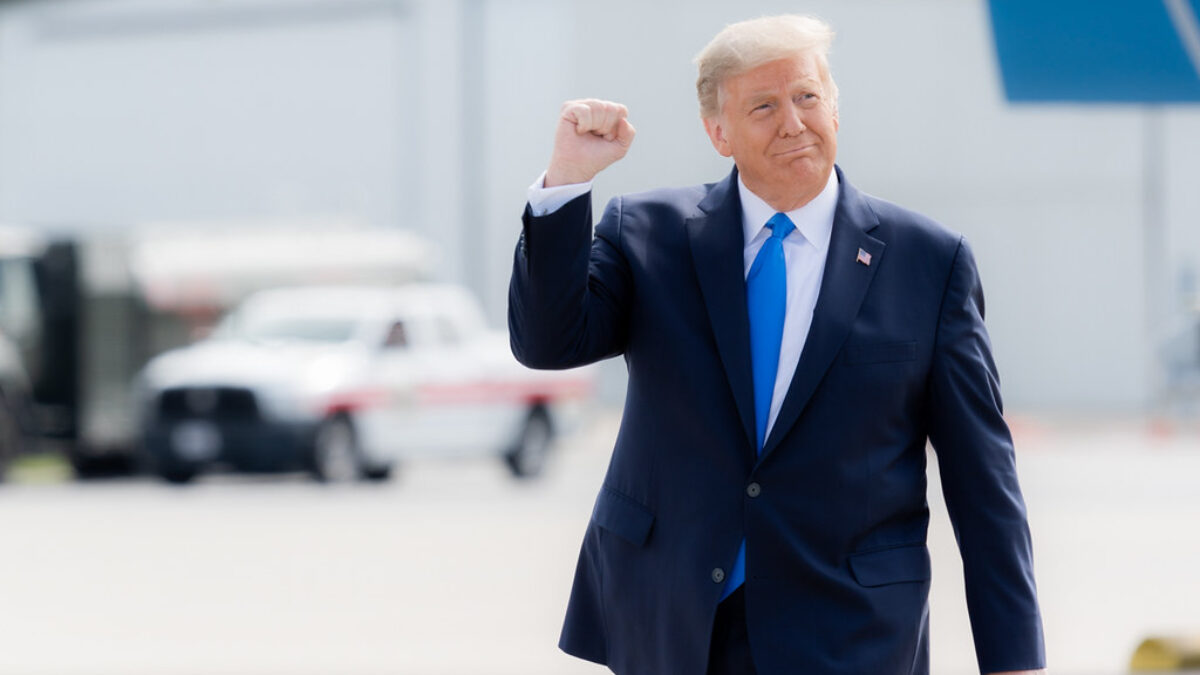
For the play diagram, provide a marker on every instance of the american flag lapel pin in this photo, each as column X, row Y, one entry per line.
column 863, row 257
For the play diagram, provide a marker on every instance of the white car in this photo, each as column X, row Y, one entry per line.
column 345, row 382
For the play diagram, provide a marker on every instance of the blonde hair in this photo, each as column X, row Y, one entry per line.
column 745, row 45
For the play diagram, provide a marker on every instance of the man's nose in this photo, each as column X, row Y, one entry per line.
column 793, row 121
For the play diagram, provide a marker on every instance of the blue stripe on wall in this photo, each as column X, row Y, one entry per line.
column 1103, row 51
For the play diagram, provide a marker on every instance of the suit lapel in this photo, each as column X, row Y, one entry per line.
column 716, row 240
column 842, row 291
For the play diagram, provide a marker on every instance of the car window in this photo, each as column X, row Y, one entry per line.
column 19, row 314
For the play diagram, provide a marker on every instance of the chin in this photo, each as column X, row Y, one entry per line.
column 806, row 171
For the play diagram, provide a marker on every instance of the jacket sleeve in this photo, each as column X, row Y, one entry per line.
column 569, row 292
column 979, row 480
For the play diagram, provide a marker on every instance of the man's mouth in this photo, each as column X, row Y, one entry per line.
column 794, row 151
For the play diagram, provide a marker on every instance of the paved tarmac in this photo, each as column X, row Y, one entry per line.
column 455, row 569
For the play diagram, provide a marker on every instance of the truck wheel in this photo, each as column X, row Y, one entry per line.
column 10, row 436
column 528, row 457
column 88, row 465
column 336, row 457
column 378, row 472
column 178, row 474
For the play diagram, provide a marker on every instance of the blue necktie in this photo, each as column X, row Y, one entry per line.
column 766, row 303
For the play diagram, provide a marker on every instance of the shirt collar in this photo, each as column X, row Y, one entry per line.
column 814, row 220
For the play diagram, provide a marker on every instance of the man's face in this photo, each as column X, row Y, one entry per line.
column 779, row 123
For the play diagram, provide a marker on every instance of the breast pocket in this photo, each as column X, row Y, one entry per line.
column 623, row 516
column 881, row 352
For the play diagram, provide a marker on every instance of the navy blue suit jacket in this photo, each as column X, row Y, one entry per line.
column 837, row 568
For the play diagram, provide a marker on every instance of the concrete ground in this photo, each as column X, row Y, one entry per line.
column 454, row 569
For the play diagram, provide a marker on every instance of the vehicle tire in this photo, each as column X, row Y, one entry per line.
column 528, row 457
column 378, row 473
column 336, row 456
column 178, row 474
column 90, row 466
column 11, row 438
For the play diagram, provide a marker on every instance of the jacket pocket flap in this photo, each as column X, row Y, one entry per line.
column 884, row 352
column 891, row 566
column 622, row 516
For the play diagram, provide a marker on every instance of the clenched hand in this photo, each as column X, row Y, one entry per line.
column 591, row 135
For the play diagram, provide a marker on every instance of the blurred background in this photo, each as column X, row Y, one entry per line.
column 261, row 248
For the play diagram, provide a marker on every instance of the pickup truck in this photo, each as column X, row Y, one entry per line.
column 14, row 404
column 346, row 381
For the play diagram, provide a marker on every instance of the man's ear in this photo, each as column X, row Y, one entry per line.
column 716, row 134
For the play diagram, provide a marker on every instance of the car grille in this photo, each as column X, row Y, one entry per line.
column 224, row 403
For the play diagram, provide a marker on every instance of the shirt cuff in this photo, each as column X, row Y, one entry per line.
column 544, row 200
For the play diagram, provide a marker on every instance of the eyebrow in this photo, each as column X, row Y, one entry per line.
column 766, row 95
column 754, row 101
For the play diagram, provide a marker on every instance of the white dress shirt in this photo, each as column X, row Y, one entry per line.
column 804, row 253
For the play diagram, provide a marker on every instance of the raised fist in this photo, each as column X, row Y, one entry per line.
column 591, row 135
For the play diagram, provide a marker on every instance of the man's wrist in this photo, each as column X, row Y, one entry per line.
column 556, row 177
column 544, row 200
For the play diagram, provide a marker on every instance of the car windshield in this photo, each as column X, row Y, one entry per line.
column 306, row 328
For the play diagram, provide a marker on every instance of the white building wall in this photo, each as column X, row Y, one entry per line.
column 436, row 115
column 121, row 112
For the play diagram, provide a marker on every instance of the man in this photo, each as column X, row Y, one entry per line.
column 791, row 344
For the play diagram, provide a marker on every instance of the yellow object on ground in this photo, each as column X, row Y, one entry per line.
column 1166, row 654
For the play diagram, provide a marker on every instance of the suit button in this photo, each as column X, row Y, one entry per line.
column 718, row 575
column 753, row 490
